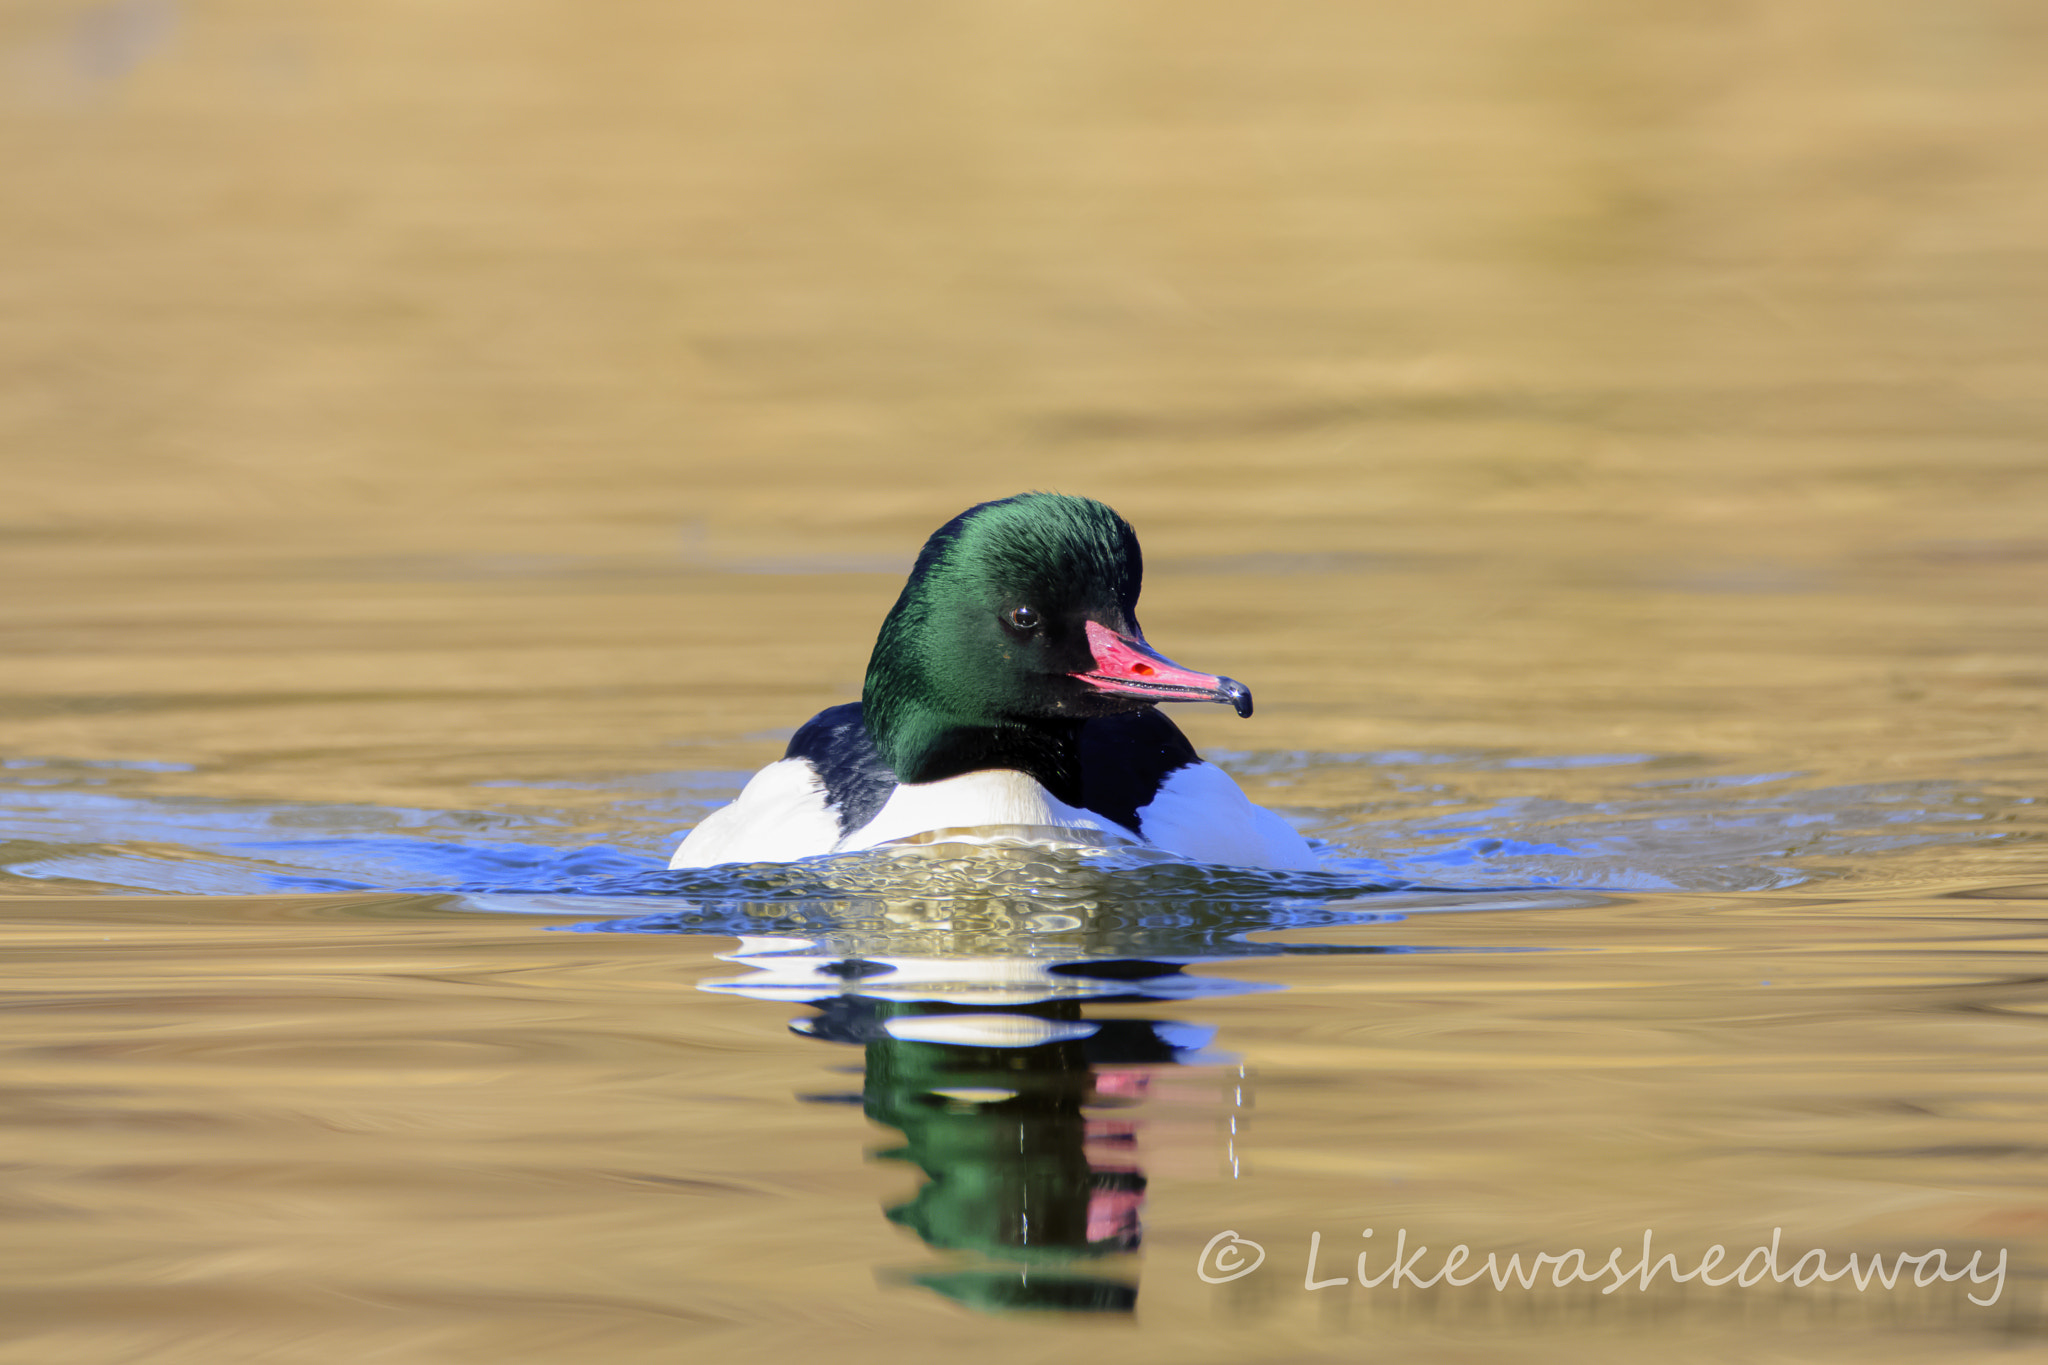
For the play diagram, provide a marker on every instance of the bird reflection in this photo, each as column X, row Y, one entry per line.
column 963, row 972
column 1022, row 1118
column 1018, row 1121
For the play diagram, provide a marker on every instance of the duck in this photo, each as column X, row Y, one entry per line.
column 1010, row 686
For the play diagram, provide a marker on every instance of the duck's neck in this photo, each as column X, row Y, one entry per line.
column 1047, row 751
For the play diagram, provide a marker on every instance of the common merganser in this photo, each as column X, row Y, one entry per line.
column 1010, row 686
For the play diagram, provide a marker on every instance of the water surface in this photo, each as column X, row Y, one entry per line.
column 446, row 451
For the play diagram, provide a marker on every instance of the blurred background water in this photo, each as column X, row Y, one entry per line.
column 446, row 447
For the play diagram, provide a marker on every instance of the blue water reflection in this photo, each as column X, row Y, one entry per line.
column 1628, row 822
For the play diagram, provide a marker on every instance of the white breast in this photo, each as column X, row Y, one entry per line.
column 995, row 797
column 1198, row 813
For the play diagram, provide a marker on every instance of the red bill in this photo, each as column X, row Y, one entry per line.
column 1131, row 668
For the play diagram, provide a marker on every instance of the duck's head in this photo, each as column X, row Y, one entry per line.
column 1020, row 612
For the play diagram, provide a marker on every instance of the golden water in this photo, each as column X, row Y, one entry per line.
column 515, row 417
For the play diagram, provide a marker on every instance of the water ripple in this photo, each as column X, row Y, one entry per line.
column 1449, row 821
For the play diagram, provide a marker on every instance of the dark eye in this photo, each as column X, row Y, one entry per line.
column 1024, row 618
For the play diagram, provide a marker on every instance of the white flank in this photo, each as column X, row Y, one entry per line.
column 1200, row 813
column 780, row 817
